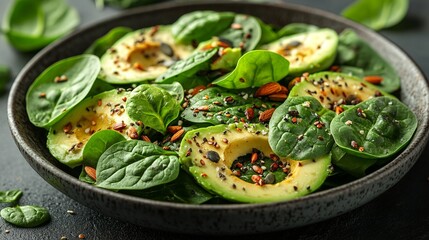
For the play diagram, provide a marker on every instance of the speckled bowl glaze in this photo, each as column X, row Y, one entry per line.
column 229, row 218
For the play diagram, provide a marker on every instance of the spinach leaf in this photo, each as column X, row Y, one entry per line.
column 175, row 89
column 376, row 128
column 245, row 32
column 136, row 165
column 25, row 216
column 84, row 177
column 200, row 25
column 31, row 25
column 10, row 196
column 353, row 165
column 4, row 77
column 254, row 69
column 153, row 106
column 101, row 45
column 217, row 105
column 355, row 52
column 97, row 144
column 228, row 59
column 267, row 33
column 183, row 190
column 377, row 14
column 295, row 28
column 299, row 129
column 186, row 71
column 61, row 87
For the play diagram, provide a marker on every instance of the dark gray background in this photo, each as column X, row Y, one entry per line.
column 400, row 213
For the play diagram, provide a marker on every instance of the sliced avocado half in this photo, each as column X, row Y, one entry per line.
column 209, row 153
column 307, row 52
column 142, row 55
column 334, row 89
column 67, row 138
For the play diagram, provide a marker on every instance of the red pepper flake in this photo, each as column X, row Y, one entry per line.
column 154, row 30
column 361, row 149
column 274, row 157
column 99, row 102
column 204, row 175
column 67, row 128
column 124, row 99
column 354, row 144
column 254, row 157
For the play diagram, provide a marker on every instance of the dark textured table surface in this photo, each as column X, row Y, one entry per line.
column 400, row 213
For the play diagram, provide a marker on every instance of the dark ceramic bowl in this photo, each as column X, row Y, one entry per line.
column 229, row 218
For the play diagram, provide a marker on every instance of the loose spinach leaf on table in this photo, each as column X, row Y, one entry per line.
column 376, row 128
column 97, row 144
column 30, row 25
column 153, row 106
column 245, row 32
column 61, row 87
column 377, row 14
column 254, row 69
column 299, row 129
column 355, row 52
column 201, row 25
column 186, row 71
column 25, row 216
column 4, row 77
column 11, row 196
column 136, row 165
column 183, row 190
column 217, row 105
column 101, row 45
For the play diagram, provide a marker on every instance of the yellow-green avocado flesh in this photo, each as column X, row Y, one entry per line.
column 235, row 140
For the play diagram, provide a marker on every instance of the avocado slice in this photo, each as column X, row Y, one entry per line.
column 307, row 52
column 209, row 154
column 142, row 55
column 334, row 89
column 106, row 110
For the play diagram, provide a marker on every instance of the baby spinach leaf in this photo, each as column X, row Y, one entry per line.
column 267, row 33
column 227, row 61
column 61, row 87
column 136, row 165
column 10, row 196
column 97, row 144
column 355, row 52
column 84, row 177
column 200, row 25
column 25, row 216
column 31, row 25
column 217, row 105
column 245, row 32
column 377, row 14
column 295, row 28
column 25, row 17
column 299, row 129
column 353, row 165
column 175, row 89
column 254, row 69
column 183, row 190
column 101, row 45
column 186, row 71
column 4, row 77
column 154, row 106
column 376, row 128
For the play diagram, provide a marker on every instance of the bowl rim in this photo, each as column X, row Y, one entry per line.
column 419, row 138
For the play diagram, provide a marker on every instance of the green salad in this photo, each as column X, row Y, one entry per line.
column 222, row 107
